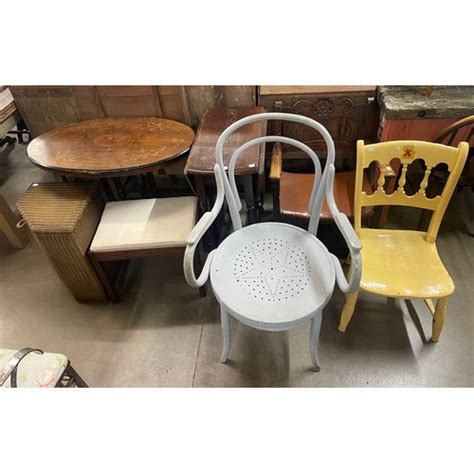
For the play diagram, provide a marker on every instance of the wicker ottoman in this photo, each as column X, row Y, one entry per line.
column 63, row 218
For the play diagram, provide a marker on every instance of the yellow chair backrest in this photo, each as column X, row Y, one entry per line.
column 407, row 151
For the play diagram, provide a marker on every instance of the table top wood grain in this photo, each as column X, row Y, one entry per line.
column 108, row 147
column 202, row 157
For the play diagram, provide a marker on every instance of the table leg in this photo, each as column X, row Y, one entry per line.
column 209, row 242
column 107, row 189
column 146, row 188
column 260, row 194
column 9, row 140
column 104, row 279
column 201, row 193
column 119, row 188
column 152, row 184
column 250, row 199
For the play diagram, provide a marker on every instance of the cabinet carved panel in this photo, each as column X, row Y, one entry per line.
column 345, row 115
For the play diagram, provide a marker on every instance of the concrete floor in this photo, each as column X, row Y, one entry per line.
column 164, row 334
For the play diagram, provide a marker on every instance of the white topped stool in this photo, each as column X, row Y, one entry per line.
column 140, row 228
column 273, row 276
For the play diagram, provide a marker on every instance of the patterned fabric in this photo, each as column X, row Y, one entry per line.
column 35, row 370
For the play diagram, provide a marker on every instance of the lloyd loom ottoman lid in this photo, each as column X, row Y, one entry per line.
column 55, row 208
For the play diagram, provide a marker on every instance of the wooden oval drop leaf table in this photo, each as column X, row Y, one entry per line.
column 110, row 147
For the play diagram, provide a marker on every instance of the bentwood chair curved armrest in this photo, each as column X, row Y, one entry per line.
column 197, row 233
column 200, row 228
column 350, row 237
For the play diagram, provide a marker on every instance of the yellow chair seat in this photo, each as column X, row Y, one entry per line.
column 401, row 264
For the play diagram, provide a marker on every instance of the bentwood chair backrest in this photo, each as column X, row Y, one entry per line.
column 407, row 152
column 227, row 189
column 462, row 130
column 319, row 186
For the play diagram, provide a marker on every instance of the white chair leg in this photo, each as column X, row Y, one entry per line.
column 314, row 339
column 225, row 323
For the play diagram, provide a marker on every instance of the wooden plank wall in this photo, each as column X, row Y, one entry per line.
column 46, row 107
column 43, row 108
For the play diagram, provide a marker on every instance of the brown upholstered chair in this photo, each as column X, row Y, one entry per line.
column 291, row 191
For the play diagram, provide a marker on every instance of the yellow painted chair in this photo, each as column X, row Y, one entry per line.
column 404, row 263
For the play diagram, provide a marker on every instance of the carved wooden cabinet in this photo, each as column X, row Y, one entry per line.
column 348, row 112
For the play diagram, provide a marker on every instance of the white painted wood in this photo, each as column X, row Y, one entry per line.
column 314, row 339
column 351, row 238
column 225, row 324
column 275, row 139
column 273, row 276
column 199, row 230
column 315, row 201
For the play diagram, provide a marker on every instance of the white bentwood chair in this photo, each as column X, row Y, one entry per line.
column 273, row 276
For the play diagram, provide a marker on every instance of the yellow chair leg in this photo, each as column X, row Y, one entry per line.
column 438, row 318
column 348, row 310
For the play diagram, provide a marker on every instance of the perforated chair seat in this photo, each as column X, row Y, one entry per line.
column 272, row 275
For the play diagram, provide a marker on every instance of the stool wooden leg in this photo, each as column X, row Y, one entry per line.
column 104, row 279
column 438, row 318
column 348, row 310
